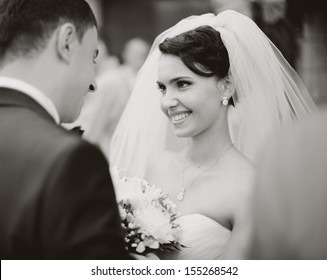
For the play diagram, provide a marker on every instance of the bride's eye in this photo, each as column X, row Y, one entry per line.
column 162, row 88
column 183, row 84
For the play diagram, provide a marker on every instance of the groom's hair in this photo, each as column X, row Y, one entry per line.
column 27, row 25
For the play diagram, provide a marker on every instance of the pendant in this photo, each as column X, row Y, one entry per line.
column 180, row 196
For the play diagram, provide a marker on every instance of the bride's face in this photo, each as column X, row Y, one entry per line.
column 191, row 102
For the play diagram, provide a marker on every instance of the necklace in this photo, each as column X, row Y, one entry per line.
column 181, row 194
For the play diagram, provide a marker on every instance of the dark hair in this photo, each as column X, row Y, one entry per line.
column 200, row 47
column 201, row 50
column 27, row 25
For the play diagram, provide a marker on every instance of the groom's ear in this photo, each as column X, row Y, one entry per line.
column 66, row 41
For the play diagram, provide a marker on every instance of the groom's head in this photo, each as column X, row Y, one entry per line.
column 56, row 41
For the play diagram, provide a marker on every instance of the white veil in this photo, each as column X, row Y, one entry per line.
column 268, row 93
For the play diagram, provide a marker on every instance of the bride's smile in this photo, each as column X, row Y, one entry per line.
column 179, row 117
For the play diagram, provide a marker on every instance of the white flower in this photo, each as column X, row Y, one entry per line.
column 130, row 218
column 126, row 188
column 148, row 215
column 151, row 243
column 155, row 222
column 122, row 212
column 152, row 193
column 140, row 247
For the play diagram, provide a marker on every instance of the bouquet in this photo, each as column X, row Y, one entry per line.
column 148, row 216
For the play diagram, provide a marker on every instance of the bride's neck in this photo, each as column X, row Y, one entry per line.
column 207, row 145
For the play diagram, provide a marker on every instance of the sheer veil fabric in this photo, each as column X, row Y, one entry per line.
column 268, row 93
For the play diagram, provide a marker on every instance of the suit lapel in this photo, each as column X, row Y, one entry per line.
column 9, row 97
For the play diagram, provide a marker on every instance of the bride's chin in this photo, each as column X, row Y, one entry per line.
column 181, row 134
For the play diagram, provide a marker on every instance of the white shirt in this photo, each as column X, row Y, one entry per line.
column 32, row 92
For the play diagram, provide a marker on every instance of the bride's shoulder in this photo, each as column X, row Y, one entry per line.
column 239, row 181
column 239, row 175
column 239, row 164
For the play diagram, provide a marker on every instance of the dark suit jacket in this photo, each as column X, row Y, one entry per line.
column 56, row 196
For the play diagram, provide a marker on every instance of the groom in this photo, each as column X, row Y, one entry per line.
column 56, row 195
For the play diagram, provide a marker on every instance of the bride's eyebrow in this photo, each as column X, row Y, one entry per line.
column 174, row 80
column 177, row 79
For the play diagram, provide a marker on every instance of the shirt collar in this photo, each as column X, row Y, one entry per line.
column 32, row 92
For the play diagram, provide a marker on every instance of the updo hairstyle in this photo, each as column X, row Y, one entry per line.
column 201, row 50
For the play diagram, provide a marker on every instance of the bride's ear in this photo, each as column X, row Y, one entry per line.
column 227, row 86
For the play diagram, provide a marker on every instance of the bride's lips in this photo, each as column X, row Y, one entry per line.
column 179, row 117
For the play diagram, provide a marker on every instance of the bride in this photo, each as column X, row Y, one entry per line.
column 222, row 87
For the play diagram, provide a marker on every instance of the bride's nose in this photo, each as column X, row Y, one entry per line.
column 169, row 100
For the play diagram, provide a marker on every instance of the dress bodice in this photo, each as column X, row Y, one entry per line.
column 204, row 238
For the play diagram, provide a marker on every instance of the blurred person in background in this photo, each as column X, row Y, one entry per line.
column 102, row 111
column 133, row 56
column 290, row 199
column 105, row 60
column 270, row 16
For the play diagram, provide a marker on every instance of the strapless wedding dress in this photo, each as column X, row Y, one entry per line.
column 204, row 238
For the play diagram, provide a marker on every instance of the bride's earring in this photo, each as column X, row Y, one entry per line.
column 224, row 101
